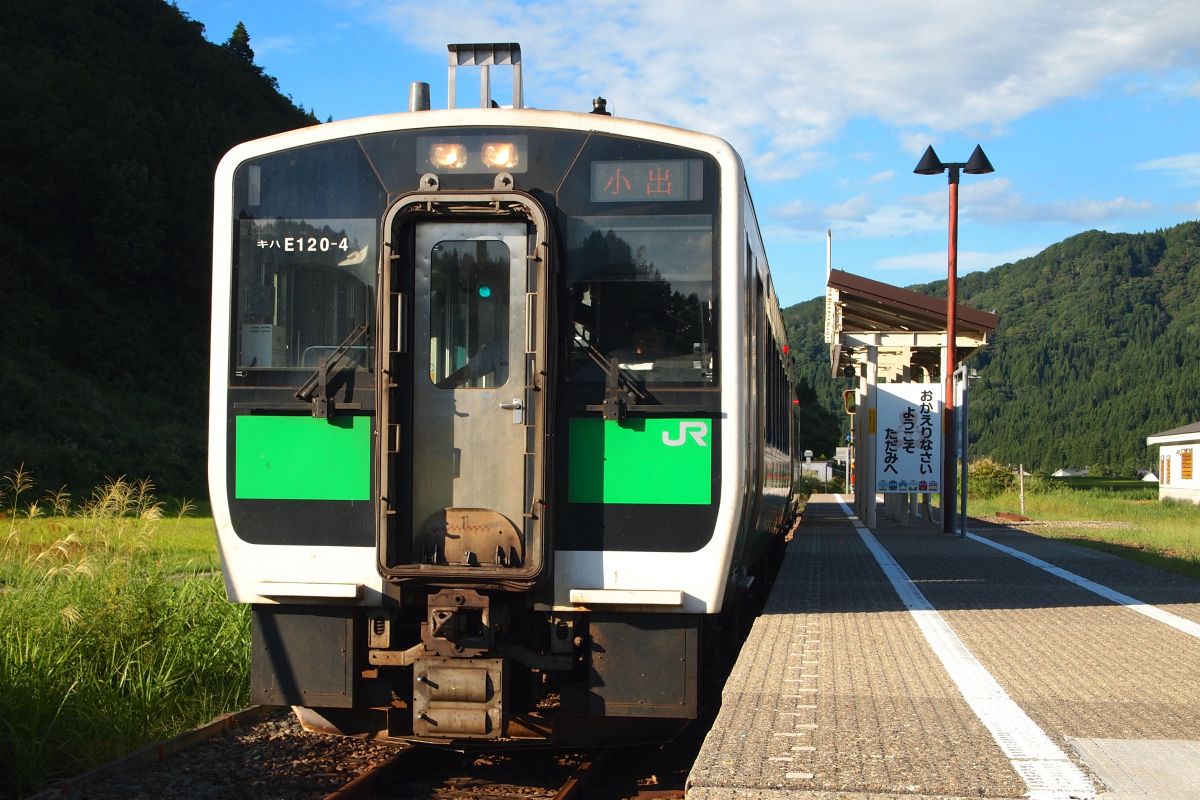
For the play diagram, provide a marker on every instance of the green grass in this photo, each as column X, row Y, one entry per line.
column 1132, row 522
column 114, row 629
column 1129, row 487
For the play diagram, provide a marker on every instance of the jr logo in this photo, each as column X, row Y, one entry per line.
column 696, row 428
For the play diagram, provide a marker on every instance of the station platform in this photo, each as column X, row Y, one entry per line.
column 901, row 663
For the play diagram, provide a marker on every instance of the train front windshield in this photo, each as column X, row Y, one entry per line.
column 303, row 287
column 641, row 294
column 636, row 237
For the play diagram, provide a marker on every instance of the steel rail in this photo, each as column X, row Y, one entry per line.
column 366, row 783
column 372, row 782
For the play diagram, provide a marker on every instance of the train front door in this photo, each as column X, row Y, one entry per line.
column 469, row 393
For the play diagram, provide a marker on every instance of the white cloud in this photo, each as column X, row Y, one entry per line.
column 855, row 218
column 993, row 201
column 270, row 45
column 1189, row 210
column 1090, row 212
column 990, row 201
column 1184, row 168
column 968, row 260
column 915, row 142
column 797, row 210
column 810, row 67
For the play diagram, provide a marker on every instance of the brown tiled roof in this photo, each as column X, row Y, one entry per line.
column 869, row 305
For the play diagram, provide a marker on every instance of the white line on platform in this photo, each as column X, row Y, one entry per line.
column 1132, row 603
column 1047, row 771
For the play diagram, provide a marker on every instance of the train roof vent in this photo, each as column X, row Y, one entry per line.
column 484, row 56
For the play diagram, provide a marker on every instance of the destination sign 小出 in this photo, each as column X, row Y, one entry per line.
column 647, row 181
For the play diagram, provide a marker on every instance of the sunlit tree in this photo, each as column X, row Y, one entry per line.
column 239, row 44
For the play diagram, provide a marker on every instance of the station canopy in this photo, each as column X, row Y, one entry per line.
column 907, row 328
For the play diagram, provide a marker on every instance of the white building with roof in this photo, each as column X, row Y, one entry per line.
column 1177, row 477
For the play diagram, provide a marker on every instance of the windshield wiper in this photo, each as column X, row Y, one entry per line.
column 316, row 388
column 619, row 391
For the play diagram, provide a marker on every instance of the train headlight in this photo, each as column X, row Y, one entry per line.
column 500, row 155
column 448, row 156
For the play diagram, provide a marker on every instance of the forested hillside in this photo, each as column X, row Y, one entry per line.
column 115, row 114
column 1098, row 347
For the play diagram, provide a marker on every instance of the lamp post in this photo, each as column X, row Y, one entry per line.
column 930, row 164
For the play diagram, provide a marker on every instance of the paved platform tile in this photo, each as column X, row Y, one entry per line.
column 836, row 695
column 1142, row 769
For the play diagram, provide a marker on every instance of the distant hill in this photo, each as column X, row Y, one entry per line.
column 115, row 114
column 1098, row 346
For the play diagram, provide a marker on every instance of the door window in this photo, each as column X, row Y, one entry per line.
column 469, row 314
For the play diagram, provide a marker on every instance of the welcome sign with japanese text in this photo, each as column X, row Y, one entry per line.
column 908, row 443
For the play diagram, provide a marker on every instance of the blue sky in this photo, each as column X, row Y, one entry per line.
column 1089, row 110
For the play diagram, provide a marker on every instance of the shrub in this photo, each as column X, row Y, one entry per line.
column 1041, row 483
column 988, row 478
column 1101, row 471
column 810, row 484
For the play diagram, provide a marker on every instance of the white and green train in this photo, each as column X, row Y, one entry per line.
column 500, row 431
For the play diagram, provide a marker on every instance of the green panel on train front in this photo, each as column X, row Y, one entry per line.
column 641, row 461
column 302, row 458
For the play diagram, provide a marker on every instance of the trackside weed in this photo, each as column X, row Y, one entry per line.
column 105, row 643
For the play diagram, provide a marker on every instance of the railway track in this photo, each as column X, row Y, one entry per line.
column 417, row 773
column 265, row 753
column 643, row 772
column 603, row 774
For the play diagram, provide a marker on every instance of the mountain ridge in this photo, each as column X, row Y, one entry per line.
column 116, row 113
column 1095, row 350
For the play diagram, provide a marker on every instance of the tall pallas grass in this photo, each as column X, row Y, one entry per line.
column 103, row 646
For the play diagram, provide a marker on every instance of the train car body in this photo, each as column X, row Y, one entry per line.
column 500, row 433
